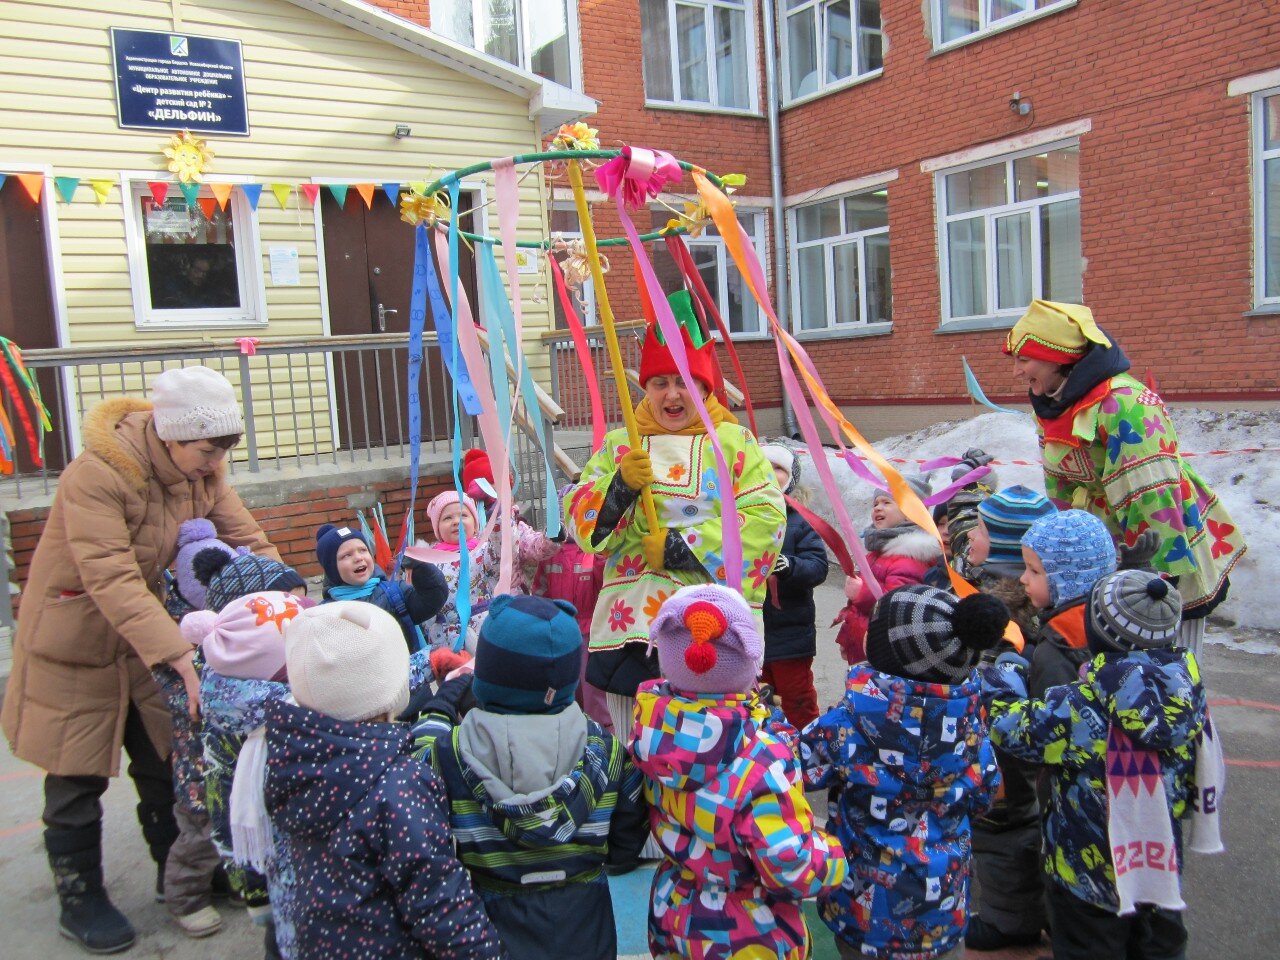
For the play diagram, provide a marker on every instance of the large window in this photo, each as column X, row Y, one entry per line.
column 565, row 226
column 841, row 263
column 723, row 280
column 699, row 53
column 822, row 48
column 1010, row 232
column 195, row 264
column 1266, row 204
column 539, row 35
column 954, row 20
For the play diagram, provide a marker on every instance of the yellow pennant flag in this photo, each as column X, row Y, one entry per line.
column 282, row 192
column 222, row 192
column 366, row 194
column 101, row 189
column 419, row 187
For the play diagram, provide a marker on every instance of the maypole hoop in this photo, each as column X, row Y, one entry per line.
column 545, row 156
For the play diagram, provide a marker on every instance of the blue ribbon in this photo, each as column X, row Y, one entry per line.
column 975, row 391
column 448, row 348
column 462, row 599
column 500, row 309
column 422, row 266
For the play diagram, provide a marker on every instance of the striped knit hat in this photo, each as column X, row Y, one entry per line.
column 1075, row 549
column 1007, row 516
column 529, row 655
column 1056, row 332
column 1132, row 610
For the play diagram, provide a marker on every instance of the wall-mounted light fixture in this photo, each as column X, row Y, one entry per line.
column 402, row 131
column 1019, row 104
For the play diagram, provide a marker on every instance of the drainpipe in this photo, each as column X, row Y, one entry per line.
column 781, row 295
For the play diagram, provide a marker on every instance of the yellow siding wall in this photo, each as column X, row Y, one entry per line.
column 323, row 100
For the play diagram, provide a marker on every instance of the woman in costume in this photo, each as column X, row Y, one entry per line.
column 1110, row 448
column 675, row 459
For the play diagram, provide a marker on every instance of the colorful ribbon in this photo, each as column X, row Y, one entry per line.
column 975, row 391
column 638, row 175
column 583, row 351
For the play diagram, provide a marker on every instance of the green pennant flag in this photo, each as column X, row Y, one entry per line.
column 66, row 187
column 339, row 191
column 191, row 191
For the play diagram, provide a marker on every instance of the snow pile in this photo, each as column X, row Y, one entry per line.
column 1248, row 484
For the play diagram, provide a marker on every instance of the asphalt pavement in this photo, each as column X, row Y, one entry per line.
column 1231, row 897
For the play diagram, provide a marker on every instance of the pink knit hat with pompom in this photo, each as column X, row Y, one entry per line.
column 448, row 498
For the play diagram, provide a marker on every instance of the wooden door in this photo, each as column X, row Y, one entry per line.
column 26, row 310
column 369, row 264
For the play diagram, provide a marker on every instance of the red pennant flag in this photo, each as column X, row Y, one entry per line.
column 311, row 191
column 221, row 191
column 1151, row 381
column 33, row 183
column 366, row 193
column 207, row 205
column 159, row 190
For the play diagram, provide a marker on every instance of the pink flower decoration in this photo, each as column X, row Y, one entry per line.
column 620, row 616
column 638, row 174
column 631, row 566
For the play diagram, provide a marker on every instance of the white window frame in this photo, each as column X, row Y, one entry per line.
column 592, row 313
column 1260, row 155
column 859, row 74
column 996, row 316
column 673, row 51
column 723, row 261
column 987, row 26
column 522, row 37
column 252, row 312
column 832, row 326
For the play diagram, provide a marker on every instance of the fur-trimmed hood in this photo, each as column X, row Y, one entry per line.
column 913, row 543
column 123, row 447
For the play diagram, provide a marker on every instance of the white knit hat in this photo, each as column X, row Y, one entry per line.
column 348, row 660
column 195, row 403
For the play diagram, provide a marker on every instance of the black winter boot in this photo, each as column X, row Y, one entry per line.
column 88, row 916
column 160, row 830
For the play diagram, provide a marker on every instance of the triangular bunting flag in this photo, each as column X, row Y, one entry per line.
column 252, row 192
column 101, row 189
column 339, row 191
column 32, row 183
column 366, row 192
column 207, row 206
column 3, row 178
column 311, row 191
column 190, row 191
column 221, row 192
column 159, row 190
column 419, row 187
column 66, row 187
column 392, row 190
column 282, row 191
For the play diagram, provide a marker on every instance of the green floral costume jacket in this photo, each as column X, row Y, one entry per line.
column 687, row 495
column 1115, row 454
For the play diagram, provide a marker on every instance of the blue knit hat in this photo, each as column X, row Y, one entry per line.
column 329, row 538
column 1007, row 515
column 529, row 655
column 229, row 578
column 1075, row 549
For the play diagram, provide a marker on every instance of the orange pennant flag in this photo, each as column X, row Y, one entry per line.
column 366, row 193
column 222, row 191
column 33, row 183
column 206, row 207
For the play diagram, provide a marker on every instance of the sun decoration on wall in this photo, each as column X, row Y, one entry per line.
column 188, row 157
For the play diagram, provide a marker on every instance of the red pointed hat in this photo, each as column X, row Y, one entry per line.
column 656, row 359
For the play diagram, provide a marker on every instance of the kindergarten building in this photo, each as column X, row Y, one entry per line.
column 941, row 163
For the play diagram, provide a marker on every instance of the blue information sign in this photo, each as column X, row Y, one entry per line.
column 175, row 81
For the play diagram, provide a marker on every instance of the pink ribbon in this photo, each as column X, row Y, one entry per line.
column 583, row 350
column 638, row 175
column 248, row 345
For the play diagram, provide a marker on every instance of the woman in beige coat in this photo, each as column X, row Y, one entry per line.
column 92, row 624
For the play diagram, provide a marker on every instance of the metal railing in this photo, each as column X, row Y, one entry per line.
column 569, row 386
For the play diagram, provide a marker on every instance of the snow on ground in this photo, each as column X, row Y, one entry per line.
column 1247, row 483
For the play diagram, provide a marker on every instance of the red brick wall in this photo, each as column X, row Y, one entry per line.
column 417, row 10
column 291, row 526
column 1165, row 185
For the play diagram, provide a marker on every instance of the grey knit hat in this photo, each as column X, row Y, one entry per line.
column 1132, row 610
column 928, row 634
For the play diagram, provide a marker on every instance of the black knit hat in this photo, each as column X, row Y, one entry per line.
column 927, row 634
column 1132, row 610
column 228, row 578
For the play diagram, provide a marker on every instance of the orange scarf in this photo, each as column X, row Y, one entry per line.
column 648, row 424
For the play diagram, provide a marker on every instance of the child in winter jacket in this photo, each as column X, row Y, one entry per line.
column 454, row 521
column 1009, row 910
column 790, row 632
column 1112, row 834
column 541, row 798
column 900, row 553
column 351, row 574
column 909, row 765
column 739, row 845
column 192, row 873
column 361, row 820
